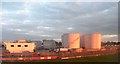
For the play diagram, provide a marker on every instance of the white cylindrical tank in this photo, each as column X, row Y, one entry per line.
column 92, row 41
column 71, row 40
column 96, row 40
column 87, row 41
column 74, row 40
column 82, row 44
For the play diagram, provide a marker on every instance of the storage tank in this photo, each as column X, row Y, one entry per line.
column 82, row 44
column 87, row 41
column 92, row 41
column 79, row 50
column 71, row 40
column 96, row 40
column 74, row 40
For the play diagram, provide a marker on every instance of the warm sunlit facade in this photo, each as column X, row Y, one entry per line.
column 92, row 41
column 20, row 47
column 71, row 40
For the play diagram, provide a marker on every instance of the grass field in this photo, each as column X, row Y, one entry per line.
column 107, row 58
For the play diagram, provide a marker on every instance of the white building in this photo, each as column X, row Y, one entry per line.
column 71, row 40
column 19, row 46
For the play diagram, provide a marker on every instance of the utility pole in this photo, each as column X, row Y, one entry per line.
column 59, row 45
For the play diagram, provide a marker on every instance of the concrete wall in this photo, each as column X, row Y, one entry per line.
column 16, row 49
column 49, row 44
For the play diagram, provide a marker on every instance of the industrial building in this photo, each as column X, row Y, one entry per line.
column 49, row 44
column 71, row 40
column 19, row 46
column 39, row 44
column 92, row 41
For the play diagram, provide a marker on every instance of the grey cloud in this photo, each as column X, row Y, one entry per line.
column 12, row 6
column 82, row 17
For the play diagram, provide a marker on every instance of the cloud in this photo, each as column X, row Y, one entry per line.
column 25, row 12
column 8, row 22
column 17, row 30
column 27, row 22
column 45, row 35
column 70, row 28
column 1, row 13
column 2, row 23
column 34, row 33
column 40, row 21
column 109, row 36
column 16, row 12
column 44, row 1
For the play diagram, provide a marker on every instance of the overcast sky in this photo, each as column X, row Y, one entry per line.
column 49, row 20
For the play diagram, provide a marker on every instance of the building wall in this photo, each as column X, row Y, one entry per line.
column 49, row 44
column 71, row 40
column 16, row 49
column 38, row 44
column 65, row 40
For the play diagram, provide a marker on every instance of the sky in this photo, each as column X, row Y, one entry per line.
column 49, row 20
